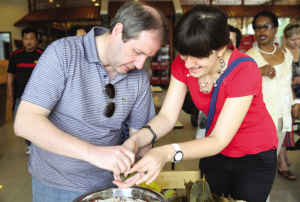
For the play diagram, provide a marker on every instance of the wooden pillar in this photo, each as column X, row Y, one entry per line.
column 34, row 5
column 64, row 3
column 29, row 6
column 242, row 23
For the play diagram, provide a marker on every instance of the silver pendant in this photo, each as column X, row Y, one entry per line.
column 222, row 63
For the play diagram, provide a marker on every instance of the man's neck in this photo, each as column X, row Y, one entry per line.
column 102, row 42
column 30, row 50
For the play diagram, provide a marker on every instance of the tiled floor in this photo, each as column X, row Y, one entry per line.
column 15, row 181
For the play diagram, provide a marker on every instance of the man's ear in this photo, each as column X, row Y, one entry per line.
column 117, row 30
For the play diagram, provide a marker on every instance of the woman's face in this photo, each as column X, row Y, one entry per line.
column 264, row 30
column 293, row 41
column 200, row 66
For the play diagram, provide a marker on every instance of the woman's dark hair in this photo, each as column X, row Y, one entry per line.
column 201, row 30
column 269, row 14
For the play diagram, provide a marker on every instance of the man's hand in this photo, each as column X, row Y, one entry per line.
column 268, row 71
column 151, row 164
column 295, row 111
column 10, row 95
column 130, row 182
column 131, row 145
column 114, row 158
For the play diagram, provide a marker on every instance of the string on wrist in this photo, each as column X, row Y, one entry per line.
column 153, row 133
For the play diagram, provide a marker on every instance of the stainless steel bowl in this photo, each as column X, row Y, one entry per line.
column 132, row 192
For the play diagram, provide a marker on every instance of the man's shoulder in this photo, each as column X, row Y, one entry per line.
column 66, row 43
column 39, row 50
column 20, row 50
column 138, row 72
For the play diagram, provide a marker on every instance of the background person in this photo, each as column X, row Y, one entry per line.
column 21, row 65
column 238, row 154
column 81, row 92
column 235, row 36
column 292, row 37
column 276, row 70
column 40, row 44
column 76, row 31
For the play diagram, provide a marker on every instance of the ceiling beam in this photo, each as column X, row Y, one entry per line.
column 104, row 7
column 177, row 7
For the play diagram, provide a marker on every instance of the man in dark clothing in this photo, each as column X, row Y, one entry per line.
column 20, row 67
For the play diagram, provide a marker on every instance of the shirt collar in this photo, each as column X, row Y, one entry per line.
column 89, row 43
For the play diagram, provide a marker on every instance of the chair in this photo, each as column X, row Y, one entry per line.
column 174, row 179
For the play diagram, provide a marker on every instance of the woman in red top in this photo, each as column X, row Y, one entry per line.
column 238, row 154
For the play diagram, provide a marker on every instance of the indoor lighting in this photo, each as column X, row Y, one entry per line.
column 57, row 5
column 96, row 4
column 93, row 0
column 51, row 1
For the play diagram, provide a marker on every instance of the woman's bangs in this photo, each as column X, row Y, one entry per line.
column 194, row 43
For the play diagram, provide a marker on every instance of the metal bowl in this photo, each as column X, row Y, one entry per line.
column 132, row 192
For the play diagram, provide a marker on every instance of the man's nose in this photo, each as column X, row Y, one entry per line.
column 139, row 62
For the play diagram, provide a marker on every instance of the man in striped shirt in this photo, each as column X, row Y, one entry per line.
column 21, row 65
column 83, row 89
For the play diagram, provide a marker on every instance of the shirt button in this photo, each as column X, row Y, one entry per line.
column 105, row 76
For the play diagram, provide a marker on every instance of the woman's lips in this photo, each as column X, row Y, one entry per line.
column 262, row 37
column 194, row 69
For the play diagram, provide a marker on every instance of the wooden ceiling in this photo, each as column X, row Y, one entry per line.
column 69, row 14
column 251, row 11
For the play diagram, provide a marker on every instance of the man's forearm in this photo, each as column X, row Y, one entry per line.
column 37, row 128
column 10, row 81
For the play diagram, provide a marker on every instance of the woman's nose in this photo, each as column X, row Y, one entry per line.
column 189, row 62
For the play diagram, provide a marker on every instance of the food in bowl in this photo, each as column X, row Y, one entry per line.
column 118, row 199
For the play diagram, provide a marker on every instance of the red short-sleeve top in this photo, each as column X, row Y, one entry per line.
column 257, row 132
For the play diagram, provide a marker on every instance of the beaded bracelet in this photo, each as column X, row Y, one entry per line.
column 153, row 133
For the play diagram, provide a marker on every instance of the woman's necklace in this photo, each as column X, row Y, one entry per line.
column 203, row 86
column 267, row 52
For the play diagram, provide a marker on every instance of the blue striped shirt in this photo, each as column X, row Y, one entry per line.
column 69, row 80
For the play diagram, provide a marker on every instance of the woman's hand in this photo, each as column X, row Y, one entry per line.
column 296, row 80
column 295, row 111
column 268, row 71
column 151, row 164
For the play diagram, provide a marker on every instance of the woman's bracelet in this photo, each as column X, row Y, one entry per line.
column 296, row 101
column 153, row 133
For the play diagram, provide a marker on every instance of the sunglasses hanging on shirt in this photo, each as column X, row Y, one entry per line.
column 110, row 107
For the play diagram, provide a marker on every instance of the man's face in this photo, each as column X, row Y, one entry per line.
column 29, row 41
column 233, row 38
column 123, row 57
